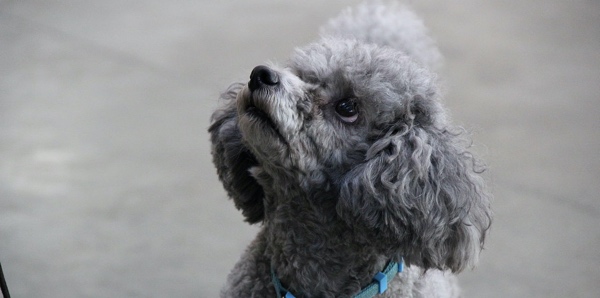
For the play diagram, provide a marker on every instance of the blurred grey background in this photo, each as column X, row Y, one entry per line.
column 106, row 183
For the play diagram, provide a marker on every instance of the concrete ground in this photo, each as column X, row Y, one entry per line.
column 106, row 183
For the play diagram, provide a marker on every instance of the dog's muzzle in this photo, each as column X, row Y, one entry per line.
column 257, row 104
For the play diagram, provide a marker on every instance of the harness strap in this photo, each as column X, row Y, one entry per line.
column 378, row 286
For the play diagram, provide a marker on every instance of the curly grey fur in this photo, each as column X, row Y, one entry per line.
column 338, row 200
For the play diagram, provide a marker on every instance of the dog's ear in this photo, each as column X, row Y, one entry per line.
column 420, row 192
column 233, row 159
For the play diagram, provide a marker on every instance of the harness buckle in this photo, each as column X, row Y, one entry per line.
column 382, row 280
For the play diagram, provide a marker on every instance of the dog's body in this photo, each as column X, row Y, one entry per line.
column 348, row 159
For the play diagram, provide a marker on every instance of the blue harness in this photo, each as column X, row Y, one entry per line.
column 378, row 286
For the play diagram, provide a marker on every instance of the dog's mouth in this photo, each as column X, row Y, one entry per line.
column 257, row 112
column 260, row 115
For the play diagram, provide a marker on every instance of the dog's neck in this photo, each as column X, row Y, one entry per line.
column 312, row 250
column 325, row 256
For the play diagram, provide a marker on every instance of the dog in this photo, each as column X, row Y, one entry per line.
column 350, row 164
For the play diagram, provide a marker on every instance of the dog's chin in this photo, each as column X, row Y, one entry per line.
column 258, row 124
column 260, row 117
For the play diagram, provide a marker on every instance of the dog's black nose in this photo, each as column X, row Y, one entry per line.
column 262, row 75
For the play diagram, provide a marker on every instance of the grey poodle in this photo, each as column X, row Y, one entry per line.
column 348, row 161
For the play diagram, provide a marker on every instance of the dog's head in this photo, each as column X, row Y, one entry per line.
column 366, row 122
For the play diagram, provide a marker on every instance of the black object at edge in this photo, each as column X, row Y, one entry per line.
column 3, row 286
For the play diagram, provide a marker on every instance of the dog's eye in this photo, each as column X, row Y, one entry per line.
column 347, row 110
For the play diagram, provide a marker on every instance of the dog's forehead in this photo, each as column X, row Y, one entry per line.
column 364, row 67
column 332, row 58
